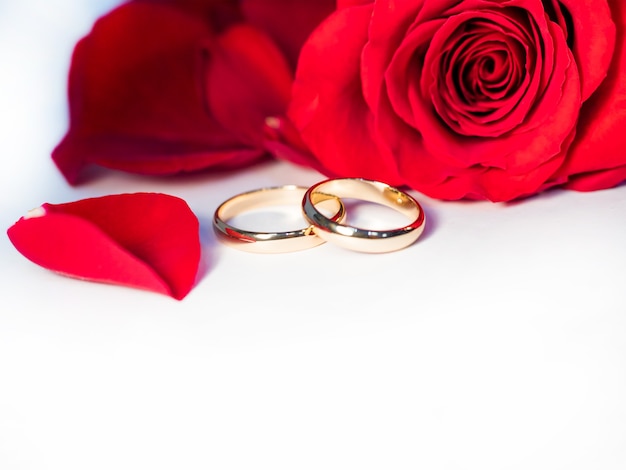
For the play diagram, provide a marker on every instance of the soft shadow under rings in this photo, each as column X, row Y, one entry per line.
column 360, row 239
column 271, row 242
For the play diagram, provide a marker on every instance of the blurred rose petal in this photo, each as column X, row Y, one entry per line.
column 138, row 100
column 168, row 86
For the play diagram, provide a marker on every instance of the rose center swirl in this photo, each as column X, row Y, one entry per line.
column 487, row 73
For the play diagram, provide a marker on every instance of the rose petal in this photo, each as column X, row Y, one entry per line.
column 596, row 180
column 143, row 240
column 389, row 24
column 283, row 140
column 327, row 95
column 145, row 156
column 219, row 13
column 136, row 97
column 594, row 40
column 418, row 168
column 247, row 80
column 600, row 140
column 288, row 22
column 352, row 3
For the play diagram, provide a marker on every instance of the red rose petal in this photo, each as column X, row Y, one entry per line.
column 288, row 22
column 144, row 240
column 247, row 80
column 137, row 100
column 327, row 95
column 596, row 180
column 594, row 40
column 352, row 3
column 388, row 26
column 600, row 139
column 283, row 140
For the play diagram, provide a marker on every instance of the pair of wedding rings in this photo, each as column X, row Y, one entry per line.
column 321, row 227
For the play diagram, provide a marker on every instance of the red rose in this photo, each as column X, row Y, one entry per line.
column 468, row 99
column 166, row 86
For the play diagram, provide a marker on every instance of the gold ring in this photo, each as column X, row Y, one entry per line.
column 360, row 239
column 269, row 242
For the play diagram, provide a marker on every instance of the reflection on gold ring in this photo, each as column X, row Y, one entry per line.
column 362, row 239
column 269, row 242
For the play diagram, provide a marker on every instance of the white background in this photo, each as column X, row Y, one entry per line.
column 497, row 341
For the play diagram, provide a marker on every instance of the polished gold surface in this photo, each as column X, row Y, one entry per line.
column 357, row 238
column 270, row 242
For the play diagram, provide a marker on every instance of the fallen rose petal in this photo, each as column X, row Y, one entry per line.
column 137, row 100
column 248, row 79
column 161, row 87
column 143, row 240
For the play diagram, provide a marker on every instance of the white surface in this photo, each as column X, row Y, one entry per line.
column 496, row 342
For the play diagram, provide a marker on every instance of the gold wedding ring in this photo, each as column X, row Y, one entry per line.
column 270, row 242
column 361, row 239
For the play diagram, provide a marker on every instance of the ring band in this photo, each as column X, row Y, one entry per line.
column 360, row 239
column 269, row 242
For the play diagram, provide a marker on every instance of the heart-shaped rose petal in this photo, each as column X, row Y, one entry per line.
column 144, row 240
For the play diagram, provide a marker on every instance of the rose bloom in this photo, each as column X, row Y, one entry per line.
column 167, row 86
column 476, row 99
